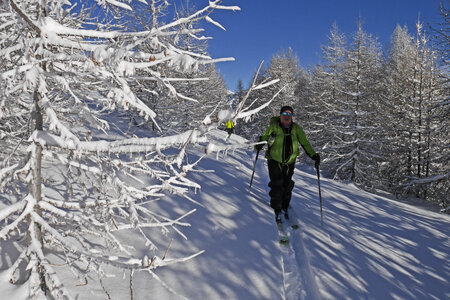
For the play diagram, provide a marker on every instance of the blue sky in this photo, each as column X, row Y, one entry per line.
column 263, row 27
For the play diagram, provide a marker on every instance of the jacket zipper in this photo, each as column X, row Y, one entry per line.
column 284, row 145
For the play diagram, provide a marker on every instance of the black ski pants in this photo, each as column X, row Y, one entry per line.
column 280, row 184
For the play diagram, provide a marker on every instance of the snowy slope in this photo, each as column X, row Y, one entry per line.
column 368, row 247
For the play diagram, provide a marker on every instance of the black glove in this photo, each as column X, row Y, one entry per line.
column 316, row 158
column 259, row 147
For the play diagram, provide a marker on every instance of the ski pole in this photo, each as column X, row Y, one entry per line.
column 320, row 194
column 253, row 174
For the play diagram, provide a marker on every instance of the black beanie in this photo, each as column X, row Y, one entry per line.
column 286, row 107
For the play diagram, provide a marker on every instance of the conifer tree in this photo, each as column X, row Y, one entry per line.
column 413, row 93
column 71, row 175
column 283, row 67
column 327, row 97
column 361, row 89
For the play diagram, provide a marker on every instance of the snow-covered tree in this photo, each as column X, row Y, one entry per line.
column 345, row 105
column 71, row 176
column 358, row 160
column 438, row 181
column 284, row 67
column 417, row 118
column 441, row 34
column 414, row 99
column 239, row 90
column 398, row 88
column 342, row 88
column 325, row 117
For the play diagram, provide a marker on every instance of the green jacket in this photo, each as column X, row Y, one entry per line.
column 229, row 124
column 277, row 148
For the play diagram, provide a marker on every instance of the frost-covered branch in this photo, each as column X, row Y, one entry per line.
column 76, row 170
column 240, row 112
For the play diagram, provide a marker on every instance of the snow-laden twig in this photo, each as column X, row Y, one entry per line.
column 13, row 271
column 25, row 212
column 210, row 20
column 247, row 113
column 428, row 180
column 55, row 123
column 12, row 209
column 119, row 4
column 166, row 262
column 59, row 212
column 160, row 224
column 212, row 147
column 168, row 288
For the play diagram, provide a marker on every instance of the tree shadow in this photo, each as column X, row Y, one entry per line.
column 237, row 231
column 371, row 246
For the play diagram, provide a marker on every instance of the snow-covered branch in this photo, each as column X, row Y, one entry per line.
column 142, row 145
column 73, row 87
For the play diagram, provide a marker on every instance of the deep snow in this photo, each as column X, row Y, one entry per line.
column 368, row 247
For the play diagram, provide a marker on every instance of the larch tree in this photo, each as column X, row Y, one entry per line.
column 70, row 177
column 327, row 97
column 439, row 179
column 201, row 89
column 239, row 90
column 398, row 87
column 361, row 89
column 412, row 89
column 283, row 67
column 427, row 173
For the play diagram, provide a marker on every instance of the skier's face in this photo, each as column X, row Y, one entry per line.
column 286, row 118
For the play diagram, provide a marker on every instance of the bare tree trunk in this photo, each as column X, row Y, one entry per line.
column 36, row 184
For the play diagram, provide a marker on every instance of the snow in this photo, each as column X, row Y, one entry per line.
column 224, row 241
column 210, row 20
column 368, row 246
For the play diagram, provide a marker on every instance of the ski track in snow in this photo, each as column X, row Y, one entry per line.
column 292, row 279
column 308, row 287
column 361, row 249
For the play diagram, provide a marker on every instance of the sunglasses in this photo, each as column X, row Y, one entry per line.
column 287, row 114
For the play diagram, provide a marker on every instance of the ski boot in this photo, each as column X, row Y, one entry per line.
column 278, row 216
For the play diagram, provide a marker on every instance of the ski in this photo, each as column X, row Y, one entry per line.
column 283, row 238
column 292, row 220
column 293, row 223
column 288, row 224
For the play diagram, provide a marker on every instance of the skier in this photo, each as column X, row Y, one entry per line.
column 283, row 136
column 230, row 127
